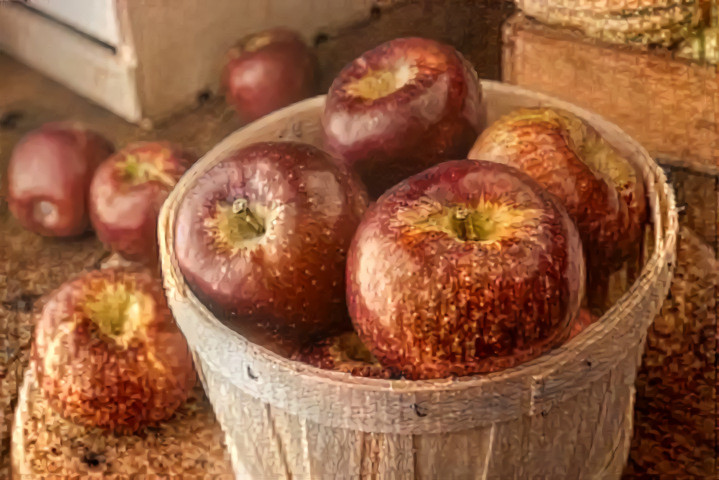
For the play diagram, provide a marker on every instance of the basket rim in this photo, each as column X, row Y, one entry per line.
column 665, row 232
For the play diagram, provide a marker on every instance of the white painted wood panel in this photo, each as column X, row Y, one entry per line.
column 97, row 18
column 71, row 59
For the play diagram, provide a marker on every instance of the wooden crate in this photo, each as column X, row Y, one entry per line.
column 669, row 105
column 146, row 60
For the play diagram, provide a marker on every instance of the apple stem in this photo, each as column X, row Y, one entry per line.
column 142, row 171
column 241, row 209
column 470, row 225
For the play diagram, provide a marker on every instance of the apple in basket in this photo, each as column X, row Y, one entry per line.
column 262, row 238
column 583, row 320
column 126, row 195
column 107, row 351
column 344, row 353
column 602, row 191
column 268, row 70
column 397, row 109
column 49, row 177
column 467, row 267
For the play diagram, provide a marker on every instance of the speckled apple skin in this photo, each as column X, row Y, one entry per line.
column 55, row 163
column 267, row 71
column 292, row 279
column 434, row 117
column 124, row 216
column 434, row 306
column 609, row 215
column 333, row 354
column 93, row 381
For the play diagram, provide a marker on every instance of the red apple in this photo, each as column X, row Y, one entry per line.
column 602, row 191
column 399, row 108
column 344, row 353
column 127, row 193
column 262, row 238
column 49, row 176
column 267, row 71
column 467, row 267
column 107, row 352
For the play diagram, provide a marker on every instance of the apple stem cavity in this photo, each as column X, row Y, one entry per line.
column 381, row 83
column 241, row 209
column 140, row 172
column 113, row 309
column 472, row 225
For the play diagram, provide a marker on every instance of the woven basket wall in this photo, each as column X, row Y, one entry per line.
column 567, row 414
column 657, row 22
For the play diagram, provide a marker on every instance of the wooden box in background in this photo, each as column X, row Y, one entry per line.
column 669, row 105
column 148, row 60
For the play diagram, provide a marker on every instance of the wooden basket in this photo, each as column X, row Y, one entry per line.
column 567, row 414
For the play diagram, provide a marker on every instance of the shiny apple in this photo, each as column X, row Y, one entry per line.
column 406, row 105
column 467, row 267
column 108, row 354
column 126, row 195
column 602, row 191
column 49, row 177
column 269, row 70
column 262, row 238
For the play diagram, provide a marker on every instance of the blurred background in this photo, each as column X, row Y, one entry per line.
column 138, row 70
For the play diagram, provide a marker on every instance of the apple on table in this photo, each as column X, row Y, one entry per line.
column 269, row 70
column 127, row 193
column 107, row 352
column 49, row 177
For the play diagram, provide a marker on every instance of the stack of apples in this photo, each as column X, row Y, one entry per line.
column 107, row 352
column 416, row 242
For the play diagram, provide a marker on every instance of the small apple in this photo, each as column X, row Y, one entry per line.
column 344, row 353
column 107, row 352
column 406, row 105
column 262, row 238
column 267, row 71
column 602, row 191
column 49, row 176
column 126, row 195
column 467, row 267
